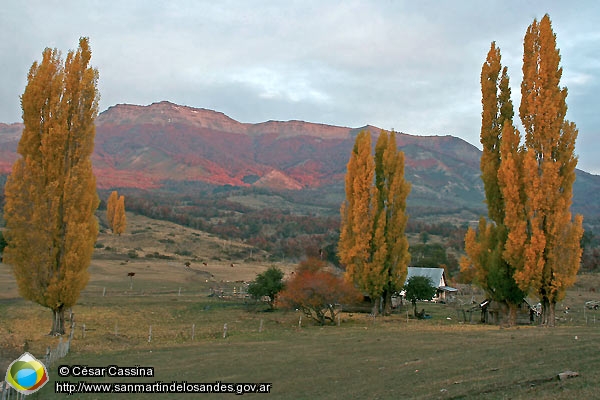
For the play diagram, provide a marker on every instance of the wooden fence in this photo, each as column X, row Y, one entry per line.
column 52, row 355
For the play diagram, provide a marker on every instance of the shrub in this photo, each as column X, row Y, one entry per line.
column 132, row 254
column 318, row 293
column 268, row 283
column 419, row 288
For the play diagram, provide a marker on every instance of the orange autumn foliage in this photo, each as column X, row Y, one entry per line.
column 318, row 293
column 115, row 213
column 537, row 178
column 51, row 193
column 373, row 245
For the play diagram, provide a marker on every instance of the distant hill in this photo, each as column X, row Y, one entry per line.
column 147, row 146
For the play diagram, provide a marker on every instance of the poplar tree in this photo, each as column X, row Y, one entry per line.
column 545, row 242
column 115, row 213
column 119, row 222
column 358, row 216
column 373, row 244
column 390, row 245
column 485, row 247
column 51, row 192
column 111, row 205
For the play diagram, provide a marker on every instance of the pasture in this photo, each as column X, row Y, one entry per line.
column 171, row 317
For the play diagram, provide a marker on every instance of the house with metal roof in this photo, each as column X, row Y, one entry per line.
column 438, row 279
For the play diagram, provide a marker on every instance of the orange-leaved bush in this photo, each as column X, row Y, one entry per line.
column 318, row 293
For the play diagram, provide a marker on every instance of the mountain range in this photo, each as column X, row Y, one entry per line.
column 148, row 147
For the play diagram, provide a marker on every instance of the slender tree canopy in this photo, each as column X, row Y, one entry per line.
column 529, row 186
column 373, row 244
column 390, row 244
column 115, row 213
column 51, row 192
column 485, row 248
column 119, row 222
column 552, row 251
column 358, row 215
column 111, row 205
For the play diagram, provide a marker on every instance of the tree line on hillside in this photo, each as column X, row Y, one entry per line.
column 277, row 231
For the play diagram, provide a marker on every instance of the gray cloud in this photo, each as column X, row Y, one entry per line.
column 411, row 66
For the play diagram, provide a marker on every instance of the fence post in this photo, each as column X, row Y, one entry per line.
column 72, row 329
column 261, row 326
column 193, row 330
column 224, row 331
column 83, row 331
column 103, row 292
column 150, row 334
column 47, row 357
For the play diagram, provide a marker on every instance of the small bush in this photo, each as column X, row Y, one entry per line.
column 132, row 254
column 158, row 255
column 99, row 245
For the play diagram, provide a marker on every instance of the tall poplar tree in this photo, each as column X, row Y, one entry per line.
column 485, row 247
column 115, row 213
column 119, row 220
column 373, row 244
column 358, row 216
column 546, row 243
column 390, row 247
column 111, row 205
column 51, row 192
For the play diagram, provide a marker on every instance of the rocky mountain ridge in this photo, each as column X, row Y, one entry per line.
column 145, row 146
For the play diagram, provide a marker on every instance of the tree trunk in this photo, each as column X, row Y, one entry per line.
column 376, row 305
column 511, row 314
column 548, row 312
column 544, row 315
column 551, row 313
column 387, row 302
column 58, row 322
column 320, row 317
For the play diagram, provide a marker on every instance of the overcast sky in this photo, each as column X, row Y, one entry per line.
column 412, row 66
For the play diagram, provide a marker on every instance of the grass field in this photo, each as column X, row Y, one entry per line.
column 362, row 358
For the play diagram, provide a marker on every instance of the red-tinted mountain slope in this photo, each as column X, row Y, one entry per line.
column 145, row 146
